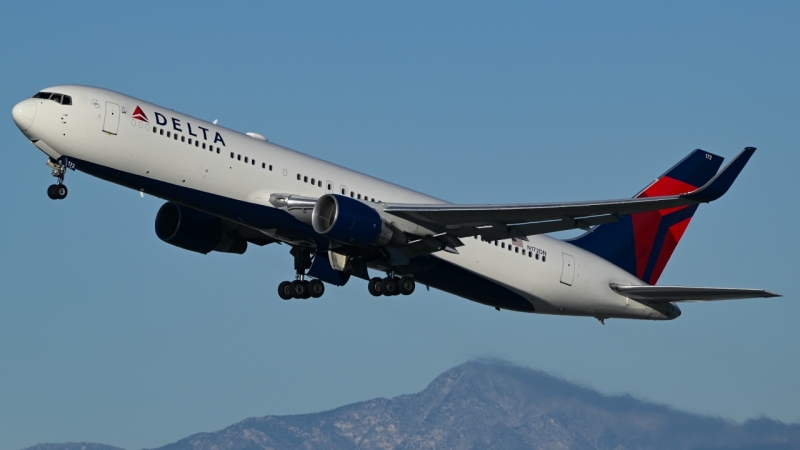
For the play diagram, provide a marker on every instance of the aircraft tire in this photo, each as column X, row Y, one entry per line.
column 298, row 289
column 389, row 287
column 406, row 285
column 316, row 288
column 51, row 192
column 60, row 191
column 285, row 290
column 307, row 287
column 374, row 286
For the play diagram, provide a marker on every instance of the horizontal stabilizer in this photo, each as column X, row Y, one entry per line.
column 666, row 294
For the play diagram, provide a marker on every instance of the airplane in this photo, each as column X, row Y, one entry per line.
column 226, row 190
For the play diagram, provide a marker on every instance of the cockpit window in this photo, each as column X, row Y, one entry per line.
column 58, row 98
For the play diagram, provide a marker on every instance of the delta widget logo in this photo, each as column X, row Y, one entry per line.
column 139, row 114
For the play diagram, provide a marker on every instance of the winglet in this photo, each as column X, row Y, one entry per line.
column 719, row 185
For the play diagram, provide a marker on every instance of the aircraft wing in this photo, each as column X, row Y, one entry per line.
column 520, row 220
column 665, row 294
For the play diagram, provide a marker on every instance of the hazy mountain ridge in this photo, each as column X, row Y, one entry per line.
column 492, row 405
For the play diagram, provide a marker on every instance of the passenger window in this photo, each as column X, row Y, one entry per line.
column 270, row 167
column 352, row 194
column 516, row 249
column 344, row 192
column 263, row 165
column 359, row 196
column 67, row 100
column 155, row 130
column 372, row 200
column 56, row 98
column 245, row 159
column 231, row 155
column 305, row 179
column 183, row 138
column 190, row 141
column 204, row 146
column 329, row 186
column 503, row 244
column 175, row 136
column 197, row 143
column 543, row 258
column 537, row 256
column 298, row 177
column 253, row 162
column 238, row 157
column 161, row 131
column 168, row 134
column 313, row 181
column 319, row 183
column 217, row 150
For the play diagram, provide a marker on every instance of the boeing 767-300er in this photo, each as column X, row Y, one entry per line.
column 225, row 190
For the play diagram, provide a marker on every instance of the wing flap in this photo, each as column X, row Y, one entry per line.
column 666, row 294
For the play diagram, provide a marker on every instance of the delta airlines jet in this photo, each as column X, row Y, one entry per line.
column 225, row 190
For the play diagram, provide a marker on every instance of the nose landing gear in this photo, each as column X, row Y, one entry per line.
column 57, row 191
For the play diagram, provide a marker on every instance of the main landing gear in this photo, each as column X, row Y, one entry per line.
column 300, row 288
column 391, row 285
column 57, row 191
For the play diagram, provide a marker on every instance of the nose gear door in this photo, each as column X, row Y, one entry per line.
column 111, row 122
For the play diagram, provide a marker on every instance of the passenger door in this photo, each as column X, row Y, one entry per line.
column 111, row 123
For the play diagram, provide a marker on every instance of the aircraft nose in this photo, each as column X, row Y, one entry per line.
column 23, row 113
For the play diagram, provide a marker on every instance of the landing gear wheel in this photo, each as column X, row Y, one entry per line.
column 406, row 285
column 285, row 290
column 60, row 191
column 307, row 294
column 298, row 289
column 316, row 288
column 374, row 286
column 51, row 192
column 389, row 286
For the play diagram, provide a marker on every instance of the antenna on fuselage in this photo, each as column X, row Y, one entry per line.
column 214, row 122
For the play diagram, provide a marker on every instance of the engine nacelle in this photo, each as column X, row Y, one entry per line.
column 350, row 221
column 197, row 231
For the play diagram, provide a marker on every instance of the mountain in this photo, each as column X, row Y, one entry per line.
column 73, row 446
column 489, row 404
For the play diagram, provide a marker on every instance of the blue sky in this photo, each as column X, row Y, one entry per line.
column 109, row 335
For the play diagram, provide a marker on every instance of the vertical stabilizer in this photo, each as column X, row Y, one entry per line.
column 642, row 243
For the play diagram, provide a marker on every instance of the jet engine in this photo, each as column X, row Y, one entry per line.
column 197, row 231
column 350, row 221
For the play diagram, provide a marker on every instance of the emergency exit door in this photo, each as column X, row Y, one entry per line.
column 111, row 123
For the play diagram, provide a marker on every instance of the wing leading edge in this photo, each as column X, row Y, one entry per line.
column 666, row 294
column 520, row 220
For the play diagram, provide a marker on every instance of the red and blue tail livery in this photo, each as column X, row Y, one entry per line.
column 642, row 243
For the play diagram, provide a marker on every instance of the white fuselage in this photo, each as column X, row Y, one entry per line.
column 555, row 277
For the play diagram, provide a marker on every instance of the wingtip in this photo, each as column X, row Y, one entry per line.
column 722, row 181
